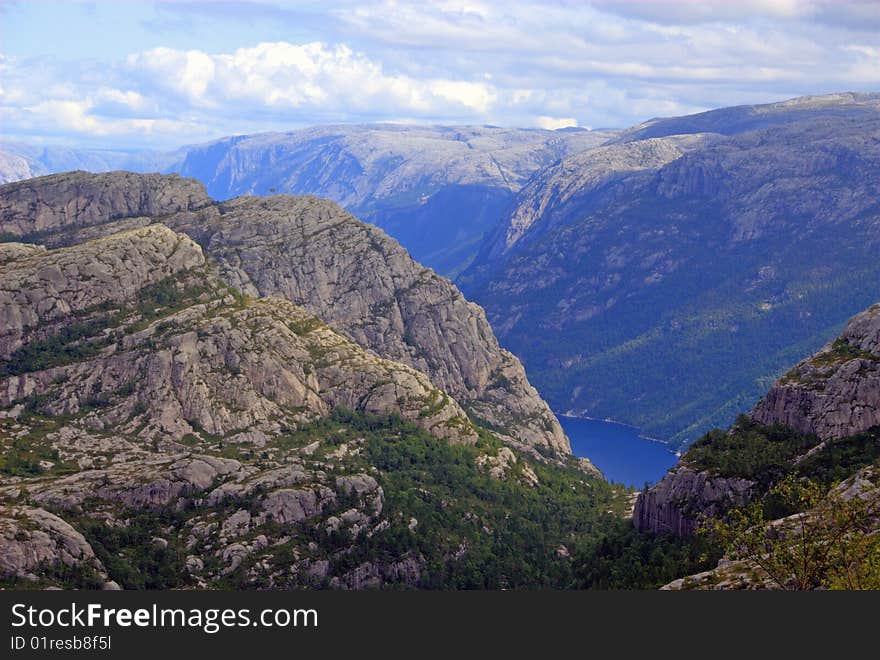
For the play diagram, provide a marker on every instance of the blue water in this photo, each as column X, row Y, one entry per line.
column 619, row 451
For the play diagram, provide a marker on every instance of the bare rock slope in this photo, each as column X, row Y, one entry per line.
column 133, row 331
column 159, row 428
column 133, row 379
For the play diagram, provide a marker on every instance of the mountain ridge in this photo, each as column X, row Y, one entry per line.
column 745, row 252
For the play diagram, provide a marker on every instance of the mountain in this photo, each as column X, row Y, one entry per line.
column 666, row 278
column 313, row 253
column 435, row 189
column 819, row 421
column 161, row 429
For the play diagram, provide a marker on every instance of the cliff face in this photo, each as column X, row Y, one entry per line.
column 364, row 284
column 836, row 392
column 79, row 199
column 675, row 504
column 546, row 200
column 833, row 394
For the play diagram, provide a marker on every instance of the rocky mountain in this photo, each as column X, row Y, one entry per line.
column 251, row 368
column 161, row 428
column 313, row 253
column 667, row 278
column 588, row 175
column 813, row 417
column 49, row 205
column 836, row 392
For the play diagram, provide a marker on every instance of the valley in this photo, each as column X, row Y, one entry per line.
column 378, row 357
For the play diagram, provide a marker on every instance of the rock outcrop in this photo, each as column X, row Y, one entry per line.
column 676, row 504
column 833, row 394
column 80, row 199
column 836, row 392
column 131, row 374
column 33, row 541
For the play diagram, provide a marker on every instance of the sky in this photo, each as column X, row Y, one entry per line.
column 161, row 74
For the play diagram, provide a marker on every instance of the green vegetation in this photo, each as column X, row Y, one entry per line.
column 833, row 545
column 437, row 402
column 841, row 351
column 840, row 458
column 463, row 528
column 21, row 455
column 623, row 558
column 749, row 450
column 165, row 297
column 129, row 554
column 304, row 326
column 766, row 454
column 477, row 532
column 70, row 344
column 76, row 576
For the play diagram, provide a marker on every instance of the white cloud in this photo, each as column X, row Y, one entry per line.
column 552, row 123
column 530, row 63
column 284, row 76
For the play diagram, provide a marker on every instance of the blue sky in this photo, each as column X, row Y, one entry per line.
column 138, row 74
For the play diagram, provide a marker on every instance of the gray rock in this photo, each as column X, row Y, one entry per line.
column 836, row 392
column 79, row 198
column 32, row 538
column 675, row 504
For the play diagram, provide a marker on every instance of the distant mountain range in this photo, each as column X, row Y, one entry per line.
column 23, row 161
column 437, row 189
